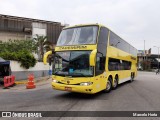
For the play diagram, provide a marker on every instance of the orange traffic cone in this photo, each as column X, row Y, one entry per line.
column 30, row 84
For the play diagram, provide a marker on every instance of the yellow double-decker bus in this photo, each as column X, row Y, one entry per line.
column 91, row 58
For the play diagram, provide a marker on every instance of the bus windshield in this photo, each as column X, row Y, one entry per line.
column 78, row 36
column 72, row 63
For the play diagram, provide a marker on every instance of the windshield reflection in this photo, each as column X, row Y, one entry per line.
column 75, row 64
column 78, row 36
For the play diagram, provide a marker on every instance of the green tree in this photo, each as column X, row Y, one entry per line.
column 42, row 45
column 19, row 50
column 18, row 45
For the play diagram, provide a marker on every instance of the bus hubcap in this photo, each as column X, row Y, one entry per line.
column 115, row 83
column 108, row 85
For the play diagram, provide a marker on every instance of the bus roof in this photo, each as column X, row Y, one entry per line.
column 81, row 25
column 95, row 24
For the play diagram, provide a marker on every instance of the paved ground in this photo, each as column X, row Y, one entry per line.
column 141, row 95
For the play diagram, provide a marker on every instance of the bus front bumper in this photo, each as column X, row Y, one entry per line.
column 73, row 88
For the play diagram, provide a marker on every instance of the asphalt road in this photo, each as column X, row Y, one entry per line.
column 143, row 94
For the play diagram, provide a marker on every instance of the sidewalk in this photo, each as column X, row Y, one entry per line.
column 36, row 80
column 21, row 85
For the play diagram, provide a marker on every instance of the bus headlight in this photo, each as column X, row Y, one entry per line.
column 55, row 81
column 86, row 83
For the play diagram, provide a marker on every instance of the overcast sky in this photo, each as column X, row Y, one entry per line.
column 133, row 20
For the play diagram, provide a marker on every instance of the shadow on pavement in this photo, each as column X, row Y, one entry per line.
column 82, row 96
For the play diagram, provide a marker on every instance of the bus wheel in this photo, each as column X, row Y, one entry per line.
column 108, row 85
column 115, row 83
column 132, row 77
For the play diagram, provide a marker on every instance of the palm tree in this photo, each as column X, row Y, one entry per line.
column 47, row 45
column 42, row 44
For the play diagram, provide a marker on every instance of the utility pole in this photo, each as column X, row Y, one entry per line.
column 144, row 62
column 144, row 50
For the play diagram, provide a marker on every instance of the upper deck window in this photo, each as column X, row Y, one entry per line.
column 78, row 36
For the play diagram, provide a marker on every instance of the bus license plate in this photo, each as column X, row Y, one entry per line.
column 68, row 88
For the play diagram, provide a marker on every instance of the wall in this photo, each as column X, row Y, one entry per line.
column 39, row 70
column 39, row 29
column 30, row 27
column 14, row 25
column 53, row 32
column 5, row 36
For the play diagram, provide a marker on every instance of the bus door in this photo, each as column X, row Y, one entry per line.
column 100, row 74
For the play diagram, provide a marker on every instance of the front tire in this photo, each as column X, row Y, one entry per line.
column 108, row 85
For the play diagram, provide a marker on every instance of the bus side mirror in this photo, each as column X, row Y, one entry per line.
column 92, row 58
column 46, row 56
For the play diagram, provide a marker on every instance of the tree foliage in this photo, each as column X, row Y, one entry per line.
column 19, row 50
column 18, row 45
column 42, row 44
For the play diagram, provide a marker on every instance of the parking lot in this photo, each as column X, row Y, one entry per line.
column 143, row 94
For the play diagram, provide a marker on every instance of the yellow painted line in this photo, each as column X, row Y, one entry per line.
column 25, row 81
column 21, row 82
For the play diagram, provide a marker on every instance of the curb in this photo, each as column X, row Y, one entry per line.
column 35, row 80
column 21, row 82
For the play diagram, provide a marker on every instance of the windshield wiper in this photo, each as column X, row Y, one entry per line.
column 61, row 73
column 78, row 74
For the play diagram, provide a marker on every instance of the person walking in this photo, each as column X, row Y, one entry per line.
column 157, row 72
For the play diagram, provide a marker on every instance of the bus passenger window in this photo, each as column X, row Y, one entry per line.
column 117, row 64
column 114, row 64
